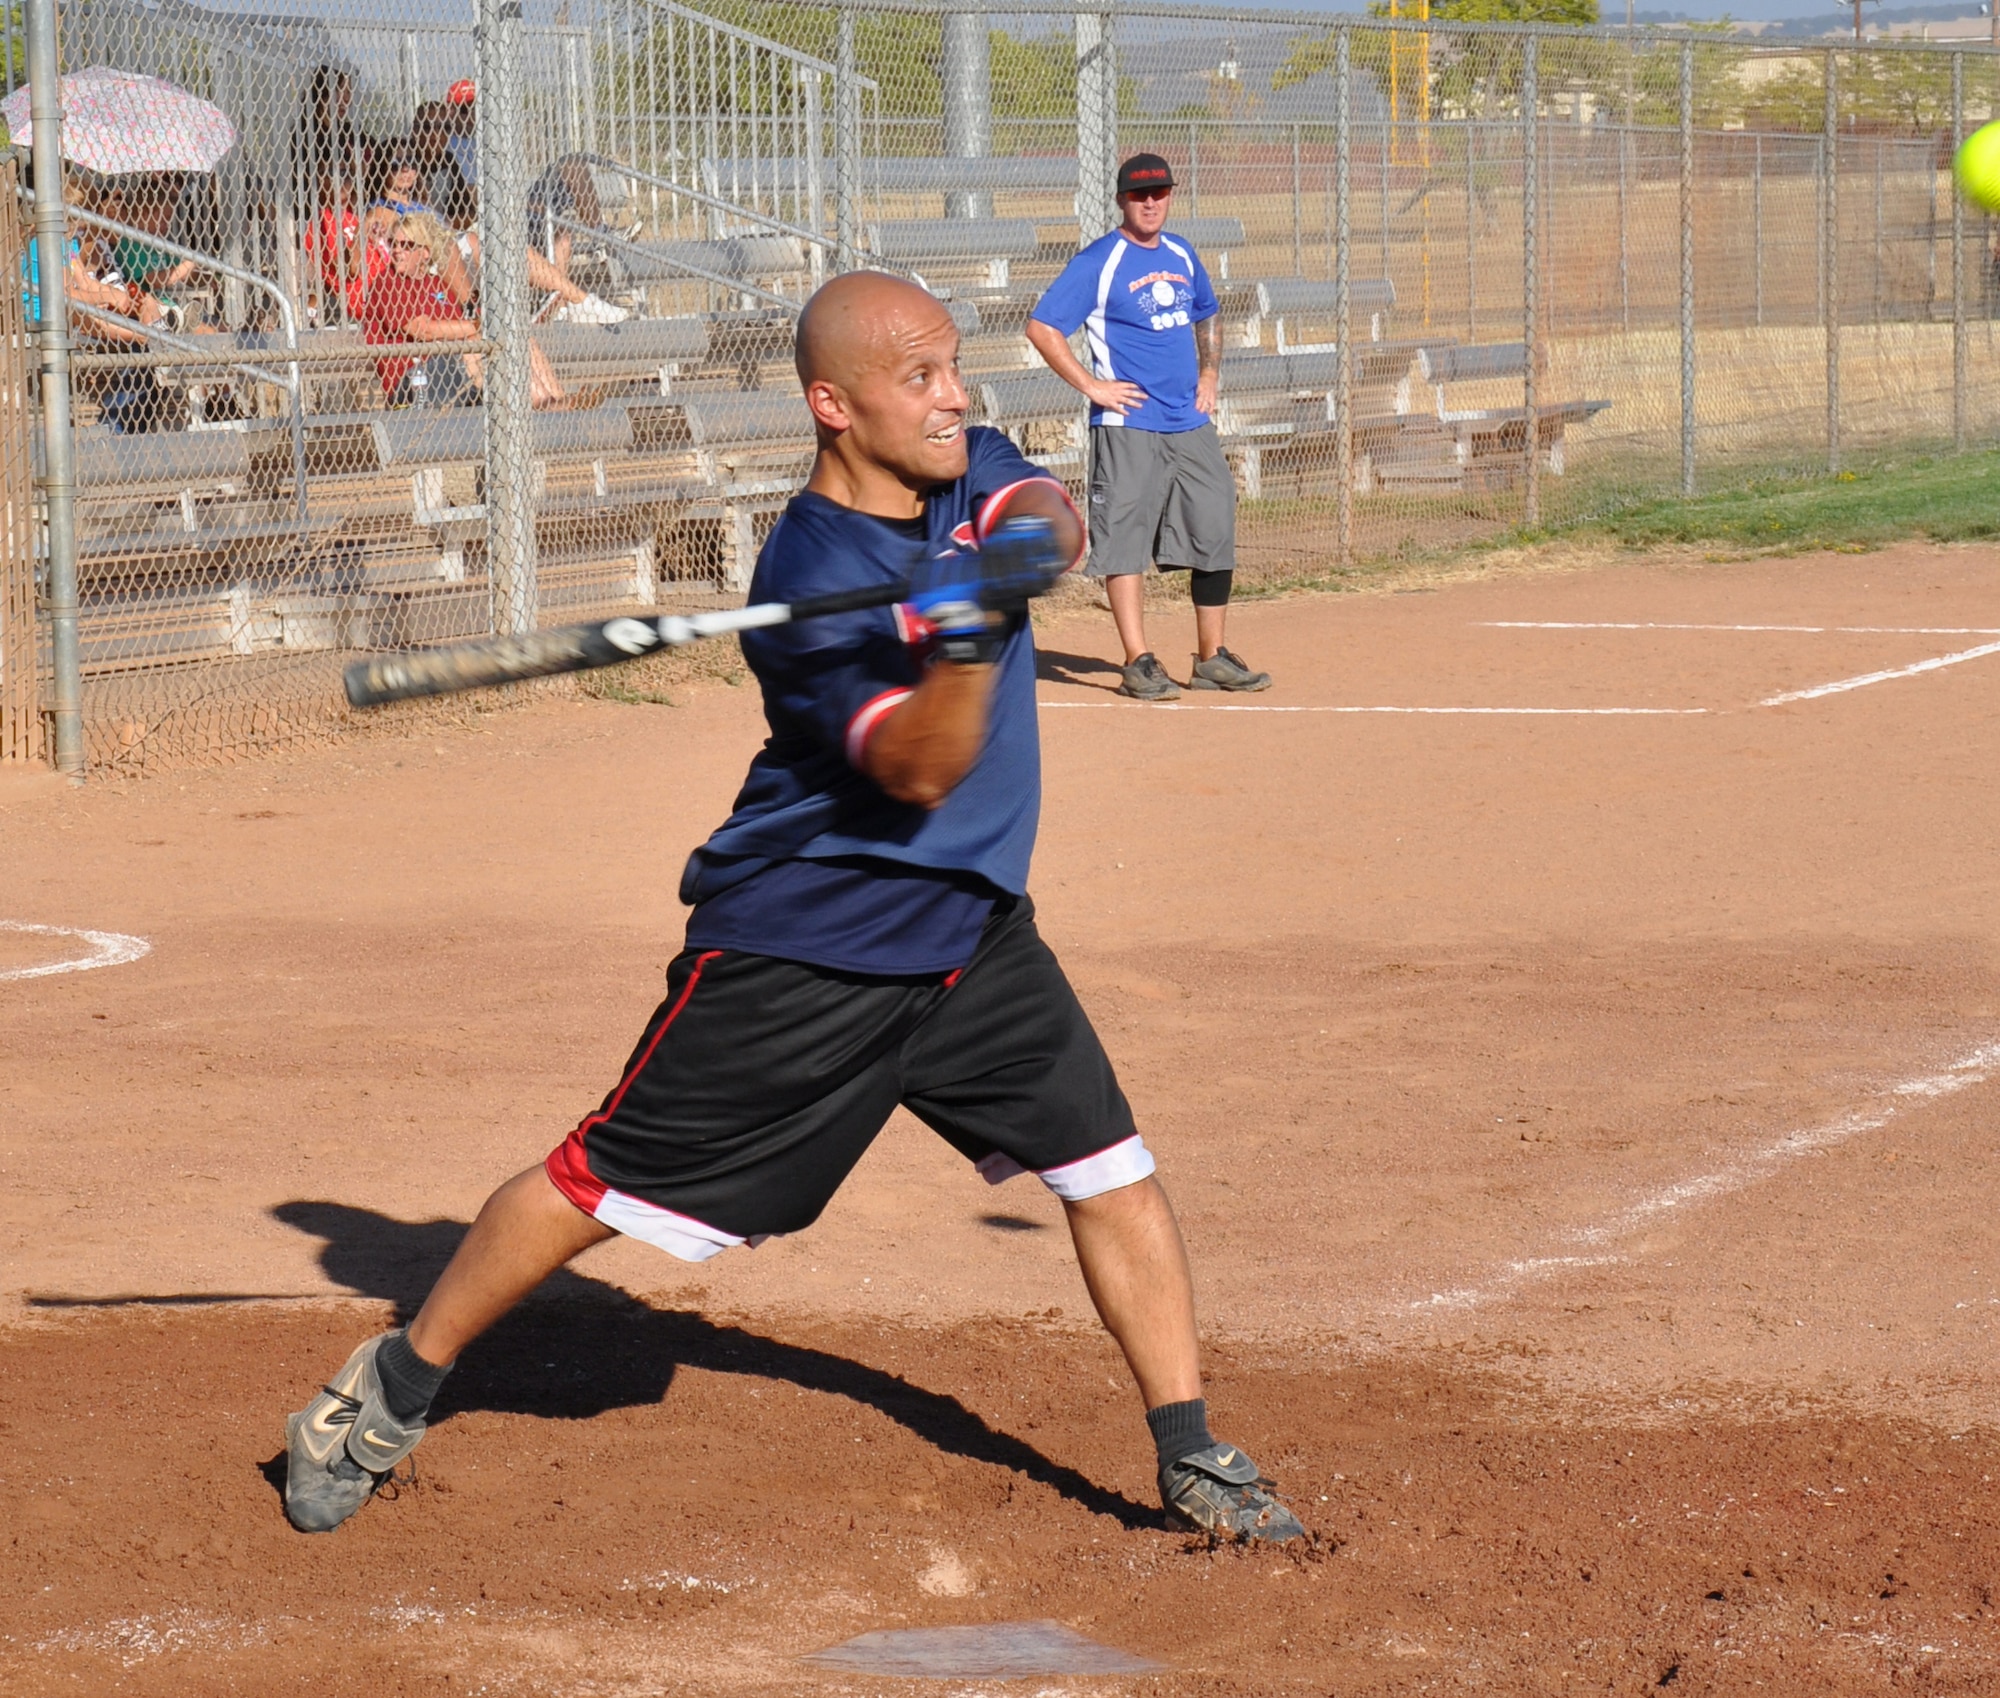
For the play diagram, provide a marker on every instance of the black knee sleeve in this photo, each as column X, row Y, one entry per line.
column 1211, row 589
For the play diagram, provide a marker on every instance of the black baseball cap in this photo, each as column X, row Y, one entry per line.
column 1144, row 171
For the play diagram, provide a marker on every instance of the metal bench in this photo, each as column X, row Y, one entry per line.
column 730, row 179
column 1487, row 445
column 1213, row 239
column 994, row 243
column 1313, row 300
column 751, row 259
column 653, row 349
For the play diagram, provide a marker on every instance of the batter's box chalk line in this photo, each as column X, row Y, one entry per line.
column 1595, row 1245
column 106, row 949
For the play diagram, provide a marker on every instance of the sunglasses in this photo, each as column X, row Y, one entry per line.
column 1147, row 194
column 410, row 247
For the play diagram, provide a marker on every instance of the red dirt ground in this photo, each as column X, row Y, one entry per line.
column 1581, row 1124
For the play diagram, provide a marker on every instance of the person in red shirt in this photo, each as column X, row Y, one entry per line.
column 411, row 302
column 425, row 297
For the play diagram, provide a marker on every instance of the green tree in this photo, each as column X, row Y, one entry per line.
column 1906, row 93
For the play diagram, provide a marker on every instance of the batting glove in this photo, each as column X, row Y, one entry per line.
column 945, row 605
column 1020, row 560
column 967, row 600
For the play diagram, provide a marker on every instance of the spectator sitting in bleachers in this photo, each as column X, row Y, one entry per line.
column 131, row 400
column 565, row 190
column 569, row 302
column 400, row 183
column 458, row 173
column 150, row 206
column 349, row 247
column 428, row 144
column 325, row 142
column 415, row 301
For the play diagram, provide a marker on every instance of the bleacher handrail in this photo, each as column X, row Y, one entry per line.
column 287, row 320
column 656, row 256
column 714, row 203
column 763, row 43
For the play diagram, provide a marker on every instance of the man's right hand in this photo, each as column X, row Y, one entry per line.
column 1114, row 396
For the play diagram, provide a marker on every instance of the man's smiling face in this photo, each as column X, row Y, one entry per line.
column 904, row 401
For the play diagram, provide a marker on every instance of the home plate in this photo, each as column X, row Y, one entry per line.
column 1007, row 1650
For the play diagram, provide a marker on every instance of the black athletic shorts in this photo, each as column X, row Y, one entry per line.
column 758, row 1084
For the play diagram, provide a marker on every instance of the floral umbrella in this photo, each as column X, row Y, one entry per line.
column 116, row 121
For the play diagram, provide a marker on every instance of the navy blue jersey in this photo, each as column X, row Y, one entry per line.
column 932, row 875
column 1139, row 307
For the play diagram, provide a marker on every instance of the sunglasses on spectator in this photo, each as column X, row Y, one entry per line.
column 409, row 246
column 1147, row 194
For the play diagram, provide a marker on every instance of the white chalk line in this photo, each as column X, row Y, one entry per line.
column 1274, row 707
column 1862, row 680
column 107, row 949
column 1807, row 630
column 1592, row 1246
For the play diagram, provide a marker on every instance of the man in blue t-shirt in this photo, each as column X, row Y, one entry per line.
column 861, row 938
column 1160, row 489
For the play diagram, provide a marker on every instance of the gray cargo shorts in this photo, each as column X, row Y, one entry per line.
column 1159, row 496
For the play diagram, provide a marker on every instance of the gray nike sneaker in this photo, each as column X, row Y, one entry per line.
column 1225, row 671
column 1220, row 1490
column 342, row 1446
column 1146, row 680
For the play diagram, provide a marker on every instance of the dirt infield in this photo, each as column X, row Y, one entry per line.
column 1576, row 1080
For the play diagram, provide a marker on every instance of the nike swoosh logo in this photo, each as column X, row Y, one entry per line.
column 375, row 1438
column 321, row 1421
column 1224, row 1460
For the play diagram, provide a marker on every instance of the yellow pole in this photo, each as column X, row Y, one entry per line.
column 1424, row 145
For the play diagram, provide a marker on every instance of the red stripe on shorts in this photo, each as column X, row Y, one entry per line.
column 567, row 1166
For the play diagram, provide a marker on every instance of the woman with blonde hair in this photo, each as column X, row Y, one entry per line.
column 424, row 298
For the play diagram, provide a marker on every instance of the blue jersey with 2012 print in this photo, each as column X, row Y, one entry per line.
column 816, row 863
column 1138, row 307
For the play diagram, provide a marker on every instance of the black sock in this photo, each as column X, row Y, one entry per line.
column 1179, row 1429
column 408, row 1381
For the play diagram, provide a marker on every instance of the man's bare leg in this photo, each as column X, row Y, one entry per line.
column 1127, row 595
column 370, row 1415
column 1135, row 1264
column 525, row 1232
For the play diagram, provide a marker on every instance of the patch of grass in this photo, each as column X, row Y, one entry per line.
column 611, row 690
column 1949, row 499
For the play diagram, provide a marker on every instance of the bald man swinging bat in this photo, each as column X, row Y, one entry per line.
column 861, row 937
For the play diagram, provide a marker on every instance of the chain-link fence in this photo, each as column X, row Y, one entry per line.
column 482, row 318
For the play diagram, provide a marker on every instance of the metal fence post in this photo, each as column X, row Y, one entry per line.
column 1471, row 234
column 1829, row 238
column 1624, row 196
column 503, row 296
column 1298, row 208
column 1877, row 246
column 1388, row 147
column 968, row 106
column 1687, row 268
column 1957, row 259
column 58, row 466
column 813, row 217
column 1343, row 380
column 1096, row 124
column 1531, row 97
column 1757, row 229
column 846, row 141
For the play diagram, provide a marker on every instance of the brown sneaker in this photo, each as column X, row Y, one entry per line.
column 1225, row 671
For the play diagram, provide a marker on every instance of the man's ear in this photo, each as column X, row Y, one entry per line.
column 829, row 407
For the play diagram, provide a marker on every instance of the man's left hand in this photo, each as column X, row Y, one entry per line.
column 1204, row 392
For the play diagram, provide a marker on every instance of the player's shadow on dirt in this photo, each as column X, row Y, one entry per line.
column 1055, row 667
column 580, row 1347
